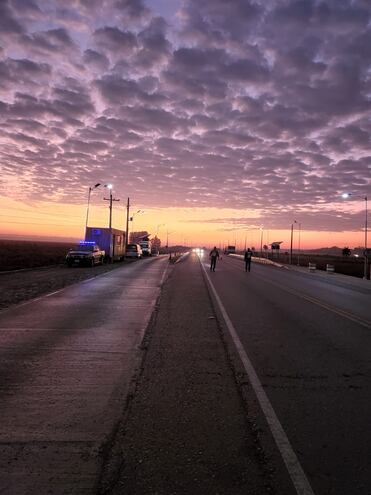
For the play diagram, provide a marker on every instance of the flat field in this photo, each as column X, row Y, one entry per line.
column 15, row 255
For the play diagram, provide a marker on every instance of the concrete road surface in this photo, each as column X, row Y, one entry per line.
column 66, row 364
column 251, row 383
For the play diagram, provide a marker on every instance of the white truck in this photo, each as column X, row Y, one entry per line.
column 146, row 246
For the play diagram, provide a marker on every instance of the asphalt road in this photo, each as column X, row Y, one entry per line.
column 308, row 338
column 66, row 364
column 76, row 393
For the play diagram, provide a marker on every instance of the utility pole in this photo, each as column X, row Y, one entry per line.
column 111, row 200
column 292, row 236
column 127, row 223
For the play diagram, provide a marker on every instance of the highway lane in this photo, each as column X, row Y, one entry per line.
column 308, row 339
column 66, row 364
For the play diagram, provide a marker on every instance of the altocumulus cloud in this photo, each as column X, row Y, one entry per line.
column 247, row 103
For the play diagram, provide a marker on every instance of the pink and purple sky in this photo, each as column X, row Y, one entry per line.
column 216, row 117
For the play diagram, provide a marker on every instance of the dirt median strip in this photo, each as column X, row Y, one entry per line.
column 186, row 429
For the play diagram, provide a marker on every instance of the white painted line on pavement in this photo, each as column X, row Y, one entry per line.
column 296, row 472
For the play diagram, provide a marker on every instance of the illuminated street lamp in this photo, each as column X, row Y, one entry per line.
column 365, row 270
column 110, row 199
column 87, row 209
column 133, row 215
column 132, row 219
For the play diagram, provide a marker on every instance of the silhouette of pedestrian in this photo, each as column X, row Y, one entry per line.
column 214, row 254
column 247, row 258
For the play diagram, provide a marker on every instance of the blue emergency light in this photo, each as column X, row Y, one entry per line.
column 87, row 243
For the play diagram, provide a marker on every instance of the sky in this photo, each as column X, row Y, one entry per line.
column 217, row 118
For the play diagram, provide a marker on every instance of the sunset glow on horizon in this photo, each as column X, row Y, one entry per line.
column 216, row 118
column 189, row 227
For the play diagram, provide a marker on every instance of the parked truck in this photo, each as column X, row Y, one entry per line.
column 112, row 241
column 230, row 250
column 86, row 253
column 146, row 246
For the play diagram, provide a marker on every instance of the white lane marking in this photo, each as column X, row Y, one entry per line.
column 296, row 472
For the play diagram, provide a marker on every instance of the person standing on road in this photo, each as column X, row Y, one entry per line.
column 247, row 258
column 214, row 254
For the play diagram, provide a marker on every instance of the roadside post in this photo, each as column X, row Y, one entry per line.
column 330, row 268
column 312, row 267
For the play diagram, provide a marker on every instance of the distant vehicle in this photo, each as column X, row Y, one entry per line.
column 111, row 240
column 146, row 247
column 86, row 253
column 230, row 250
column 133, row 251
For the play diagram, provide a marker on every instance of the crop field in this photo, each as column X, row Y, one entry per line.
column 15, row 255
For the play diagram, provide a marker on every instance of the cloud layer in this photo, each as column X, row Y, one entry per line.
column 244, row 104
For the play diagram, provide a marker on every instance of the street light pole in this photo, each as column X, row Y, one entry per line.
column 261, row 242
column 127, row 224
column 292, row 239
column 365, row 254
column 299, row 245
column 87, row 209
column 132, row 218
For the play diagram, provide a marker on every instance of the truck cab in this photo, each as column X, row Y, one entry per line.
column 146, row 247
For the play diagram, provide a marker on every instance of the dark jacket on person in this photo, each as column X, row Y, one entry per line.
column 248, row 255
